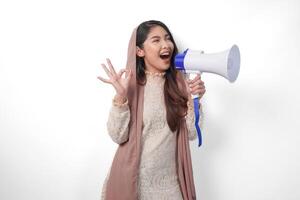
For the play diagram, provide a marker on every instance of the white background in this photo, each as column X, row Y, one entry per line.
column 53, row 110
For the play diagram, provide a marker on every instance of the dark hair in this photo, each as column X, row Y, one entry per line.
column 175, row 99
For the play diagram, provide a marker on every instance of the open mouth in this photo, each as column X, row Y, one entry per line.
column 165, row 56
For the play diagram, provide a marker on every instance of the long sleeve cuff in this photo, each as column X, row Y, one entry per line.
column 120, row 107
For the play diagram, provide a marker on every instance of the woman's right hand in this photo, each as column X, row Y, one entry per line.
column 119, row 83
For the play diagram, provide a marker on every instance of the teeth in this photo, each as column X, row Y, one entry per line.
column 165, row 54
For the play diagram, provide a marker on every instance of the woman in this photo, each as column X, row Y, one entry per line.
column 151, row 119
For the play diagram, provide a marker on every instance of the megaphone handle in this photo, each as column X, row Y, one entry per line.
column 191, row 74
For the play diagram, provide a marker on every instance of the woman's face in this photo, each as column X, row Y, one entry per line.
column 157, row 50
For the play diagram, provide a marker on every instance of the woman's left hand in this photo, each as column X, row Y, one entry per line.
column 196, row 86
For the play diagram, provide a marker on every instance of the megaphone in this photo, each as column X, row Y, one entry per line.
column 225, row 63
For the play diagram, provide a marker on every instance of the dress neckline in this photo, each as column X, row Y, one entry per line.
column 159, row 74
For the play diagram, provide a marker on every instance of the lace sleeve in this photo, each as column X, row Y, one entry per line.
column 118, row 121
column 190, row 121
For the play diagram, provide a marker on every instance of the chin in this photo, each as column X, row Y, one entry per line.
column 164, row 68
column 166, row 65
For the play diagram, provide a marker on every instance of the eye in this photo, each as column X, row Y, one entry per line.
column 155, row 40
column 168, row 38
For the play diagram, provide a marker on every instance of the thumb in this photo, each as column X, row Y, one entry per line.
column 120, row 73
column 129, row 74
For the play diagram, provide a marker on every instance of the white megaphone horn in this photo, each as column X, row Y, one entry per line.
column 225, row 63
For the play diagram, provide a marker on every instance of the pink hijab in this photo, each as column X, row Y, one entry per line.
column 122, row 183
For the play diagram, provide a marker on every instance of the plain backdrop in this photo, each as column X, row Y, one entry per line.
column 53, row 110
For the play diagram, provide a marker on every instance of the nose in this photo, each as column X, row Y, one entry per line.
column 164, row 44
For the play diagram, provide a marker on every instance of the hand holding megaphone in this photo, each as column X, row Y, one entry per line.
column 195, row 86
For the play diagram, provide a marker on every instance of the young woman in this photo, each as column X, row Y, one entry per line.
column 152, row 120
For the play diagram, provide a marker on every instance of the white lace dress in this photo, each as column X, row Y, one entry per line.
column 157, row 176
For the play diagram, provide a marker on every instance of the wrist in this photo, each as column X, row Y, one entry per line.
column 119, row 99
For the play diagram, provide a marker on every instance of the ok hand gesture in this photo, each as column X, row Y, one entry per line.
column 115, row 79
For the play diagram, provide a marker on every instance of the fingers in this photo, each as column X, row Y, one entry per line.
column 198, row 91
column 111, row 71
column 111, row 66
column 196, row 82
column 120, row 73
column 197, row 77
column 106, row 70
column 103, row 79
column 196, row 86
column 129, row 73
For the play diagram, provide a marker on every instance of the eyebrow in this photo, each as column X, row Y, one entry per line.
column 157, row 37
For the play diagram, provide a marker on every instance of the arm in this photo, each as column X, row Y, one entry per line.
column 118, row 120
column 190, row 120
